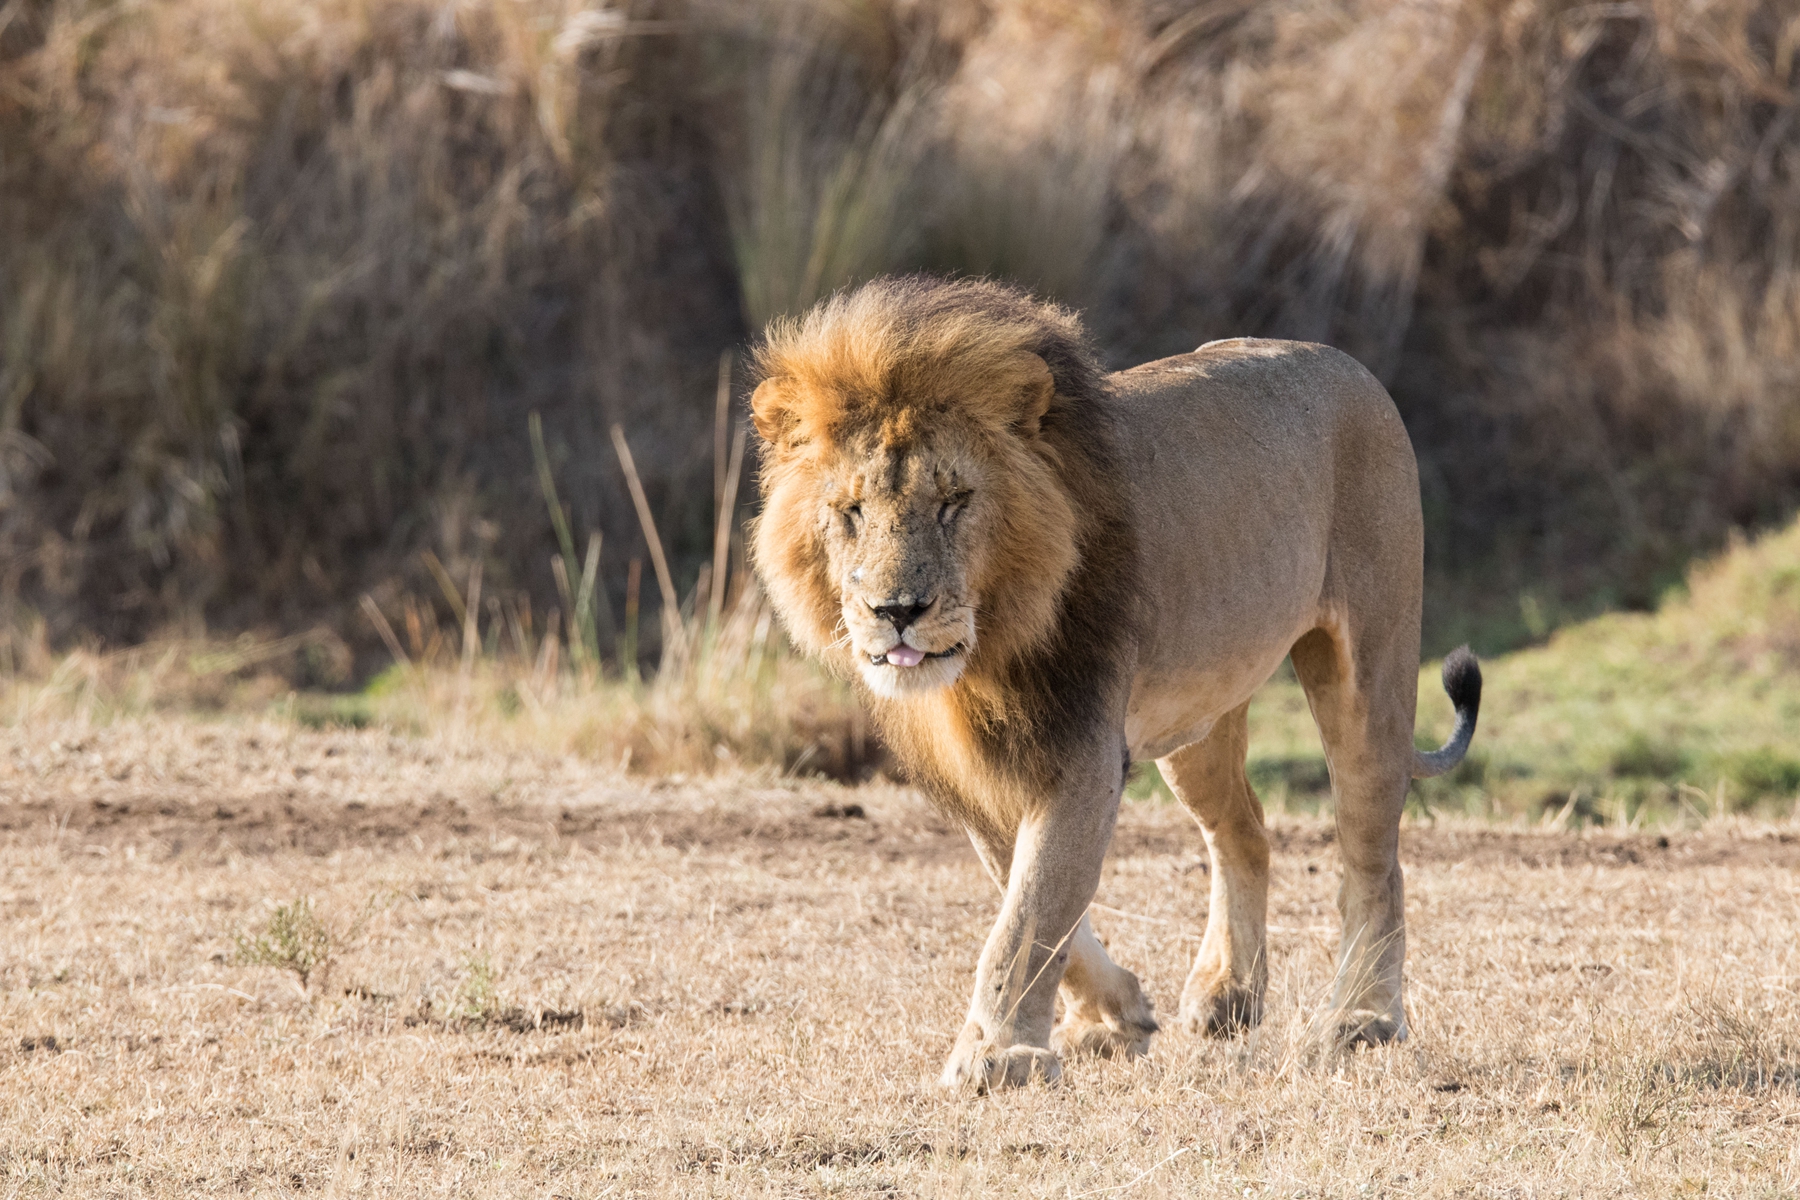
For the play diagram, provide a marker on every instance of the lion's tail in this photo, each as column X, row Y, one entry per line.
column 1462, row 680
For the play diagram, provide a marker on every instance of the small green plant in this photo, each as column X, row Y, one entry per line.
column 332, row 712
column 294, row 939
column 477, row 999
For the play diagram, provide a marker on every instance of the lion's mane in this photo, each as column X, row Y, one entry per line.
column 1057, row 610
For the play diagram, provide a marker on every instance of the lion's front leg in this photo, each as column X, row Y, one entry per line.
column 1054, row 869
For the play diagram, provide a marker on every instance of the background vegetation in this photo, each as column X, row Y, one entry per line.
column 366, row 370
column 281, row 285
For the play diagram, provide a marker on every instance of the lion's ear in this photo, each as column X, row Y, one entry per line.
column 771, row 409
column 1037, row 387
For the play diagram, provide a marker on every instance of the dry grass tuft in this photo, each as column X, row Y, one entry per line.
column 736, row 697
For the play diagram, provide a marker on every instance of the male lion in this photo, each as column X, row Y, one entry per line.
column 1040, row 572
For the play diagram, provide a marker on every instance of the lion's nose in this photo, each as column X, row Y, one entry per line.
column 899, row 614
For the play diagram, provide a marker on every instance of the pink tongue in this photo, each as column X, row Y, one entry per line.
column 905, row 656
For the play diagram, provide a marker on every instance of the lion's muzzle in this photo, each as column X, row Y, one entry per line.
column 904, row 647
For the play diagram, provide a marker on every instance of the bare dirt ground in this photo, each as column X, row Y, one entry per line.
column 545, row 980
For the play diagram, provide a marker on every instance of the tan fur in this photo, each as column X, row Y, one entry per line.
column 1039, row 571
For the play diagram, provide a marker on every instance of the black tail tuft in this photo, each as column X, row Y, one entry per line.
column 1462, row 680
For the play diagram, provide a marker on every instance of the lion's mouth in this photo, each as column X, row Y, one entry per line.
column 884, row 659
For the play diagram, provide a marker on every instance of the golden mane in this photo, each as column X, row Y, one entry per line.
column 1013, row 379
column 899, row 352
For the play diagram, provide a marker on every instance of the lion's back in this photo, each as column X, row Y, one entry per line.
column 1258, row 419
column 1295, row 388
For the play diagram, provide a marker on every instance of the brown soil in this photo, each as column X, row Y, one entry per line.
column 268, row 789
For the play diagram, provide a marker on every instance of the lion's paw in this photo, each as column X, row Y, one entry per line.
column 1224, row 1013
column 981, row 1067
column 1075, row 1038
column 1122, row 1032
column 1364, row 1027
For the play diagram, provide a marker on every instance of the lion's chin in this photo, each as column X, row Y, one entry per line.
column 898, row 683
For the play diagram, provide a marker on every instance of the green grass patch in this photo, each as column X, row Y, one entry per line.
column 293, row 939
column 318, row 710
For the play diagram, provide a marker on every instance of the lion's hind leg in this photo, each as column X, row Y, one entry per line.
column 1363, row 688
column 1224, row 992
column 1105, row 1011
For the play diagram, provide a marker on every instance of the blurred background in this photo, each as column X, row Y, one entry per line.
column 283, row 285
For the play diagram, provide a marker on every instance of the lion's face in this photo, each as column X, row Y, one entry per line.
column 900, row 531
column 914, row 528
column 900, row 558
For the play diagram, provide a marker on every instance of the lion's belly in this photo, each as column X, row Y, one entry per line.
column 1170, row 709
column 1219, row 625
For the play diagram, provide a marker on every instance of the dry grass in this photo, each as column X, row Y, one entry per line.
column 1630, row 719
column 726, row 694
column 287, row 283
column 737, row 699
column 567, row 984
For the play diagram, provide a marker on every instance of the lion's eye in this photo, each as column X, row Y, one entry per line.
column 852, row 518
column 950, row 508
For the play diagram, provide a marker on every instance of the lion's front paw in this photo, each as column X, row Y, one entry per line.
column 1221, row 1013
column 983, row 1067
column 1118, row 1029
column 1076, row 1037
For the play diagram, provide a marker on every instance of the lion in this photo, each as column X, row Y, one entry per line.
column 1039, row 573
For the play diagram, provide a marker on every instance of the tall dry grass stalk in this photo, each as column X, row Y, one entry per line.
column 822, row 184
column 726, row 692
